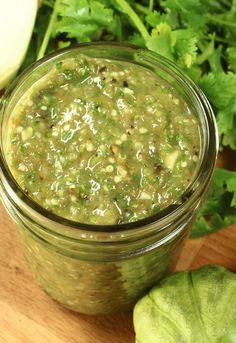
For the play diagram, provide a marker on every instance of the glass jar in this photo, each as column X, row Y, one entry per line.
column 101, row 269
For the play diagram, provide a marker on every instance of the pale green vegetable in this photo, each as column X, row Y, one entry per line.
column 189, row 307
column 230, row 335
column 17, row 19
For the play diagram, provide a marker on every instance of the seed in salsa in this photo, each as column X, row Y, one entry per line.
column 103, row 142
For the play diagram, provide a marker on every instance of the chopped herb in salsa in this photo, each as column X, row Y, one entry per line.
column 103, row 142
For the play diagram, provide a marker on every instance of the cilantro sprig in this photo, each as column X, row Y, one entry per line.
column 199, row 35
column 219, row 210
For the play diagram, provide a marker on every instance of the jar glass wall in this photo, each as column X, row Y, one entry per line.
column 102, row 269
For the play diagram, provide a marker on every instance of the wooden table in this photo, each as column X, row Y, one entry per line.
column 27, row 315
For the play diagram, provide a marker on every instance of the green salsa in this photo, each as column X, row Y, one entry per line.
column 103, row 142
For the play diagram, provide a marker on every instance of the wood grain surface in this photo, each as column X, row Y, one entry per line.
column 28, row 315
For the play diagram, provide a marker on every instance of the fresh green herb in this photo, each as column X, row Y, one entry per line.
column 32, row 177
column 23, row 148
column 230, row 336
column 189, row 307
column 220, row 208
column 199, row 35
column 59, row 65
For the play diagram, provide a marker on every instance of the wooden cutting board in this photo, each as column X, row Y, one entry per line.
column 27, row 315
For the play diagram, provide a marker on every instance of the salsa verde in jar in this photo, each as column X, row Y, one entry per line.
column 105, row 142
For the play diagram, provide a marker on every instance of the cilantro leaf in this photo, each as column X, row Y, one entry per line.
column 220, row 89
column 219, row 210
column 207, row 50
column 136, row 39
column 226, row 122
column 186, row 47
column 178, row 45
column 155, row 18
column 84, row 20
column 191, row 12
column 215, row 85
column 162, row 40
column 215, row 59
column 227, row 179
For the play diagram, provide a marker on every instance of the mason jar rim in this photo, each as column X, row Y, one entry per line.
column 195, row 189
